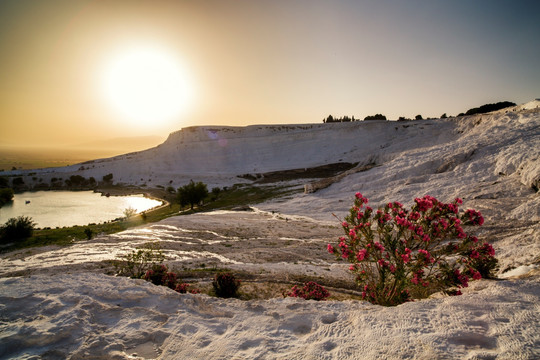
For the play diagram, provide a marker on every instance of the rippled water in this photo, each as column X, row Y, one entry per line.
column 67, row 208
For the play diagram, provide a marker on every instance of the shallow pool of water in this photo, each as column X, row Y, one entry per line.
column 68, row 208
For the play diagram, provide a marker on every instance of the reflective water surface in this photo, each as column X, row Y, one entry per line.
column 67, row 208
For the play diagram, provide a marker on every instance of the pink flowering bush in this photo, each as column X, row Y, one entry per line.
column 184, row 288
column 225, row 285
column 310, row 291
column 159, row 275
column 399, row 254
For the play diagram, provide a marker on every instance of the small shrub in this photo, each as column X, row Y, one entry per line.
column 18, row 181
column 184, row 288
column 137, row 262
column 76, row 180
column 157, row 274
column 181, row 288
column 310, row 291
column 21, row 227
column 129, row 212
column 225, row 285
column 160, row 275
column 169, row 280
column 375, row 117
column 88, row 232
column 399, row 254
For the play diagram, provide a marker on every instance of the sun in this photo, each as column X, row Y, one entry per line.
column 146, row 85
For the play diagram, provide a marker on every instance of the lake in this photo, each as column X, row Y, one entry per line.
column 68, row 208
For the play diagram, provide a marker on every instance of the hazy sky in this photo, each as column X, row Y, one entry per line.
column 256, row 62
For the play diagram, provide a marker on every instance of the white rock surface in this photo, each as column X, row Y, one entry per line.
column 101, row 317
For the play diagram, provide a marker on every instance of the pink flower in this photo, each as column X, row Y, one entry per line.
column 444, row 224
column 425, row 203
column 474, row 217
column 413, row 216
column 401, row 221
column 330, row 249
column 361, row 255
column 427, row 255
column 488, row 249
column 452, row 208
column 463, row 279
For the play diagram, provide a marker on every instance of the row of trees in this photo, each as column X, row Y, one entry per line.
column 332, row 119
column 74, row 181
column 477, row 110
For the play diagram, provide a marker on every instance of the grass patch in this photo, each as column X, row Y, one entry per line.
column 248, row 195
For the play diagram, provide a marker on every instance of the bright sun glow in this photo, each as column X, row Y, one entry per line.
column 146, row 85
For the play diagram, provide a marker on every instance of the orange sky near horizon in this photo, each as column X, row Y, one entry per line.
column 258, row 62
